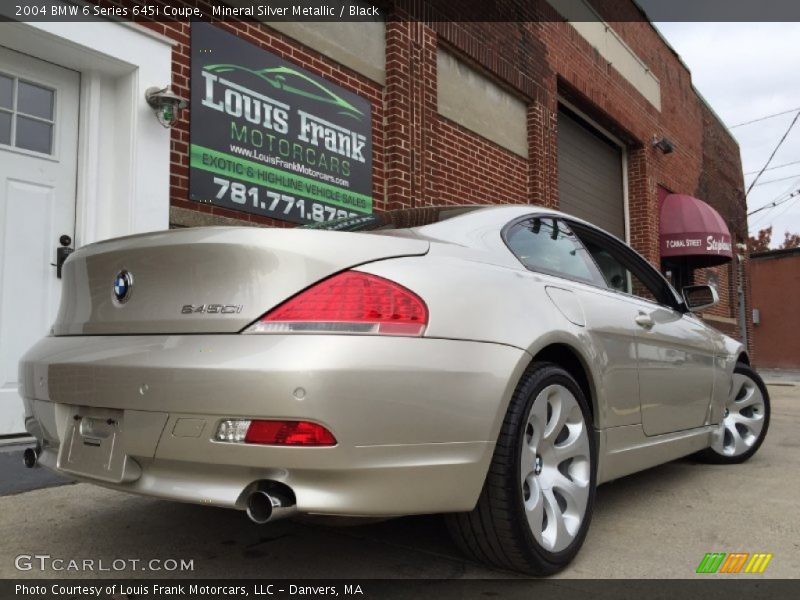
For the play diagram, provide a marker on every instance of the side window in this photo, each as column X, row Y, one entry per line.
column 622, row 270
column 616, row 275
column 548, row 245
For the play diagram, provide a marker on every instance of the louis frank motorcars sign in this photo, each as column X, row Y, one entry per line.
column 270, row 138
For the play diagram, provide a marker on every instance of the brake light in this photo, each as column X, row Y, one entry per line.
column 350, row 302
column 288, row 433
column 276, row 433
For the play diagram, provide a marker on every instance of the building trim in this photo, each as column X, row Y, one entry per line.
column 468, row 101
column 719, row 319
column 777, row 253
column 589, row 24
column 679, row 58
column 149, row 33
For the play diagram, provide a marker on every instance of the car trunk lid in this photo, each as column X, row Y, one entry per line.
column 206, row 280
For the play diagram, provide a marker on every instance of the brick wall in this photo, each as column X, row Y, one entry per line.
column 775, row 340
column 467, row 169
column 421, row 158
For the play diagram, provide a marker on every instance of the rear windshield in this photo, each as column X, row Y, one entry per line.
column 394, row 219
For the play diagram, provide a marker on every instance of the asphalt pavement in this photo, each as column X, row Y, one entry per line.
column 655, row 524
column 15, row 478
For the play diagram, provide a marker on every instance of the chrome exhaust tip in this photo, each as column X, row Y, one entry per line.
column 31, row 457
column 266, row 506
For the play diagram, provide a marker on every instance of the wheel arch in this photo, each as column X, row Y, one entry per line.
column 571, row 360
column 744, row 358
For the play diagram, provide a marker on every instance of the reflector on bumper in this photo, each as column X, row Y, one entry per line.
column 275, row 433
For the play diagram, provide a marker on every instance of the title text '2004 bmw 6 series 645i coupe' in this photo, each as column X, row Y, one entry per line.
column 492, row 363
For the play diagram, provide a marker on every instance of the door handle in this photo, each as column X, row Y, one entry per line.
column 62, row 253
column 645, row 321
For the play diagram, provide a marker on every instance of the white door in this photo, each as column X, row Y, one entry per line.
column 38, row 147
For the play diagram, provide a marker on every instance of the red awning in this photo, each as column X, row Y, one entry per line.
column 691, row 228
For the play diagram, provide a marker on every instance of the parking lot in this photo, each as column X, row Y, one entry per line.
column 655, row 524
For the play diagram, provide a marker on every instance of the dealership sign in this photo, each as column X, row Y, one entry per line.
column 272, row 139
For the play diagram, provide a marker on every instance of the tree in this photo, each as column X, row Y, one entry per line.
column 762, row 241
column 790, row 240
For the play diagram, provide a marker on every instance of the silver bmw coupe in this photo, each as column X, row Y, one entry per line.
column 492, row 363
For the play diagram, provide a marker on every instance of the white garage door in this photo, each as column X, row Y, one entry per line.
column 590, row 183
column 38, row 147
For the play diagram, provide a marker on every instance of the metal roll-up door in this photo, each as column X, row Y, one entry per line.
column 590, row 183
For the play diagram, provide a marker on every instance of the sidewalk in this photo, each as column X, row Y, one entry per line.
column 780, row 376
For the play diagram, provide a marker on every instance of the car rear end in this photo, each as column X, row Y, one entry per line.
column 267, row 369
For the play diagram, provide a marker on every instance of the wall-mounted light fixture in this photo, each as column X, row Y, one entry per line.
column 664, row 144
column 165, row 103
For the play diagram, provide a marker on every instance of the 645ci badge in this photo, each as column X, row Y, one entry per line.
column 211, row 309
column 272, row 139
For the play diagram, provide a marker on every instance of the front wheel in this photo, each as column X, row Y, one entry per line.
column 745, row 420
column 536, row 504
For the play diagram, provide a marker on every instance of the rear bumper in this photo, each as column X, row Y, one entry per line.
column 415, row 418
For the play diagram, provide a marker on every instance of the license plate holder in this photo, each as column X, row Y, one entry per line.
column 92, row 444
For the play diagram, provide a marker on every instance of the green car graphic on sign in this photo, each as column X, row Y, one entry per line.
column 281, row 78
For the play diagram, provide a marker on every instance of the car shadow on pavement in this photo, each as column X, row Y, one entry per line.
column 16, row 478
column 224, row 543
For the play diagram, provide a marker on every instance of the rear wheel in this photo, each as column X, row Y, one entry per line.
column 745, row 420
column 536, row 504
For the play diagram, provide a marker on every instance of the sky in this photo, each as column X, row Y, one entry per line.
column 746, row 71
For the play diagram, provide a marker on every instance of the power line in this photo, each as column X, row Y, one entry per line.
column 777, row 180
column 768, row 216
column 780, row 212
column 779, row 199
column 794, row 162
column 771, row 222
column 774, row 203
column 771, row 156
column 785, row 112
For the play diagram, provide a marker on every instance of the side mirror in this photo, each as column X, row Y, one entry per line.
column 699, row 297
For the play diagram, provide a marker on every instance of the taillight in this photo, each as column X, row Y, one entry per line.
column 274, row 432
column 350, row 302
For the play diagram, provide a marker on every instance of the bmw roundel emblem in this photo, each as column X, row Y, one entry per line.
column 123, row 286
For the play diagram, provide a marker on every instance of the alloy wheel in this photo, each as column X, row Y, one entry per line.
column 743, row 419
column 555, row 468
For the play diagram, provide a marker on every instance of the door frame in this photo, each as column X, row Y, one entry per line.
column 122, row 184
column 38, row 206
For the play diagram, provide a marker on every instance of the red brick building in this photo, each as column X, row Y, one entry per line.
column 563, row 104
column 620, row 82
column 776, row 319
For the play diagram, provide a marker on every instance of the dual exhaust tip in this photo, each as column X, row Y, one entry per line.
column 31, row 457
column 270, row 502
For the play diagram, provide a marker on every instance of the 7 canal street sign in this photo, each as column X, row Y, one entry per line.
column 272, row 139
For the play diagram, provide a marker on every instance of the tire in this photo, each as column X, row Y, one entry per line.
column 498, row 531
column 745, row 422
